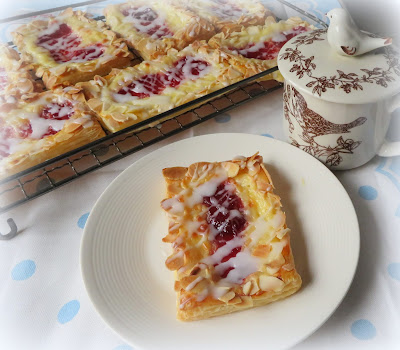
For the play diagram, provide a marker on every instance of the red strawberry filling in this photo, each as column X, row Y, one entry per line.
column 58, row 111
column 64, row 46
column 154, row 84
column 226, row 217
column 147, row 21
column 268, row 50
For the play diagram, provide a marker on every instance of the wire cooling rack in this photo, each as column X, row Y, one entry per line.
column 53, row 173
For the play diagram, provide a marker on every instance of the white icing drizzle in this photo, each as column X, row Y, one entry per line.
column 243, row 265
column 173, row 206
column 147, row 20
column 191, row 285
column 260, row 227
column 85, row 120
column 276, row 36
column 222, row 252
column 150, row 83
column 204, row 190
column 40, row 126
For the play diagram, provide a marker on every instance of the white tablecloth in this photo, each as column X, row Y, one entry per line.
column 43, row 303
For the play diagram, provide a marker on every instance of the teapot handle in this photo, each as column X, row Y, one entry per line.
column 391, row 149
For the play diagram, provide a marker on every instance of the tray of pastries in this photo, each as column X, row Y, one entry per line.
column 136, row 65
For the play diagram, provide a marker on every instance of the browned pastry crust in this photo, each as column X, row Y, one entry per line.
column 16, row 79
column 228, row 15
column 263, row 269
column 55, row 73
column 81, row 128
column 120, row 111
column 182, row 27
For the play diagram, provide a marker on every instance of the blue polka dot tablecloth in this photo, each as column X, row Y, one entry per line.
column 43, row 303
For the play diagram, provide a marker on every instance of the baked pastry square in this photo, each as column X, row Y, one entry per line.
column 128, row 96
column 70, row 48
column 16, row 79
column 42, row 127
column 153, row 27
column 255, row 49
column 231, row 245
column 228, row 15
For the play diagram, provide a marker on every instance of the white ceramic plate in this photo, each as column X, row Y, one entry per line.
column 122, row 256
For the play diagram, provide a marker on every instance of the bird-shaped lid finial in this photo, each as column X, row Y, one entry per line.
column 345, row 37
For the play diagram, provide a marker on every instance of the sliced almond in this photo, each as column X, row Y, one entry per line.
column 255, row 288
column 235, row 301
column 263, row 186
column 231, row 168
column 271, row 283
column 227, row 296
column 177, row 286
column 261, row 250
column 119, row 117
column 71, row 127
column 192, row 255
column 253, row 167
column 175, row 262
column 272, row 270
column 95, row 104
column 288, row 267
column 246, row 288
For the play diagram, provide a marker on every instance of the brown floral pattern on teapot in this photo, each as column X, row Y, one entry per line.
column 312, row 125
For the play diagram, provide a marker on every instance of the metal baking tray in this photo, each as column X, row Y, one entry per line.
column 53, row 173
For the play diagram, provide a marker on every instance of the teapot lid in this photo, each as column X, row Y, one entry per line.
column 313, row 65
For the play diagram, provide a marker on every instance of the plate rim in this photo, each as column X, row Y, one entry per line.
column 86, row 238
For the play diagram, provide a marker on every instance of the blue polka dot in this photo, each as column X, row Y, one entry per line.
column 123, row 347
column 23, row 270
column 363, row 329
column 394, row 270
column 82, row 220
column 223, row 118
column 268, row 135
column 68, row 311
column 397, row 213
column 368, row 192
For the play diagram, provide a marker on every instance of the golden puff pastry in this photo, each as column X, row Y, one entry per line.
column 16, row 80
column 228, row 15
column 231, row 246
column 70, row 48
column 255, row 49
column 44, row 126
column 128, row 96
column 153, row 27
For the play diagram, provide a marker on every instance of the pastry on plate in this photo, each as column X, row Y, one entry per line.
column 70, row 48
column 128, row 96
column 255, row 49
column 231, row 246
column 153, row 27
column 16, row 80
column 228, row 15
column 42, row 127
